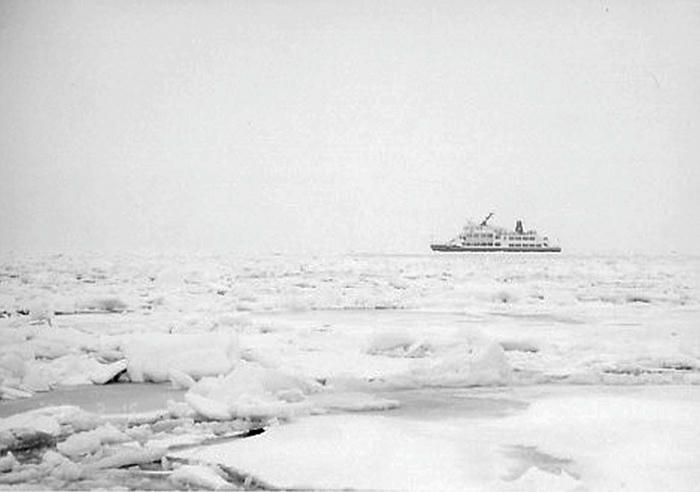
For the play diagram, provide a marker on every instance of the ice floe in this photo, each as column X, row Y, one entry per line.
column 152, row 357
column 254, row 341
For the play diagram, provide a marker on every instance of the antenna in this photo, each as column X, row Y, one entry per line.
column 483, row 222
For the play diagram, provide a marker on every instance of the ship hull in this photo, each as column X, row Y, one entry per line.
column 446, row 248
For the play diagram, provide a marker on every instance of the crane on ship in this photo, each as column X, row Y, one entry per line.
column 483, row 222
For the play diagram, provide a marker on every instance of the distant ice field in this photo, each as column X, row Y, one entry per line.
column 558, row 318
column 481, row 371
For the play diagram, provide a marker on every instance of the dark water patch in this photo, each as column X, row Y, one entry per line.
column 440, row 403
column 112, row 398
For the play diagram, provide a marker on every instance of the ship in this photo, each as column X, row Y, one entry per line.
column 482, row 237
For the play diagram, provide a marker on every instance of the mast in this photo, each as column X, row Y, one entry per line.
column 483, row 222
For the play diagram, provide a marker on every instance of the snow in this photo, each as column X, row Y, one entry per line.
column 208, row 407
column 199, row 477
column 7, row 463
column 83, row 443
column 42, row 420
column 151, row 357
column 107, row 372
column 397, row 344
column 250, row 390
column 392, row 341
column 179, row 379
column 567, row 438
column 128, row 456
column 80, row 444
column 305, row 341
column 478, row 365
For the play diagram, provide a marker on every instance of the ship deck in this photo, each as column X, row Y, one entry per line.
column 446, row 248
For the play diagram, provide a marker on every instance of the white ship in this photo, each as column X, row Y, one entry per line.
column 483, row 237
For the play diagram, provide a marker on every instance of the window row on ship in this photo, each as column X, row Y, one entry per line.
column 509, row 245
column 506, row 237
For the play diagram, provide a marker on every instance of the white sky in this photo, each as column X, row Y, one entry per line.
column 333, row 126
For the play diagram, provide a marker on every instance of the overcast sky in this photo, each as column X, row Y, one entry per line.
column 333, row 126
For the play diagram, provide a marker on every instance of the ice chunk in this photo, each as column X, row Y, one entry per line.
column 108, row 434
column 23, row 439
column 21, row 476
column 179, row 379
column 88, row 442
column 474, row 364
column 291, row 395
column 71, row 369
column 179, row 409
column 483, row 365
column 79, row 444
column 37, row 378
column 105, row 373
column 126, row 456
column 9, row 393
column 152, row 357
column 137, row 418
column 199, row 477
column 397, row 344
column 211, row 409
column 8, row 463
column 391, row 341
column 49, row 348
column 251, row 391
column 61, row 467
column 14, row 362
column 33, row 420
column 40, row 310
column 519, row 346
column 49, row 420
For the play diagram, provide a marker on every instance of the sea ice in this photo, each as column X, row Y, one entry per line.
column 107, row 304
column 151, row 357
column 250, row 391
column 312, row 327
column 79, row 444
column 208, row 407
column 33, row 420
column 127, row 456
column 83, row 443
column 108, row 372
column 198, row 477
column 397, row 344
column 180, row 379
column 7, row 462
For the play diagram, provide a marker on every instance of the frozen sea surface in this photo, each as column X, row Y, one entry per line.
column 308, row 339
column 113, row 398
column 564, row 438
column 595, row 319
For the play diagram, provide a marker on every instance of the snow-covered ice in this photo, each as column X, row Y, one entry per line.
column 294, row 344
column 565, row 438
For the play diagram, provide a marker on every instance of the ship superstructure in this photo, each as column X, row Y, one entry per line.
column 477, row 237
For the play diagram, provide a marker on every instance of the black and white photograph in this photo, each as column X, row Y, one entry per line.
column 357, row 245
